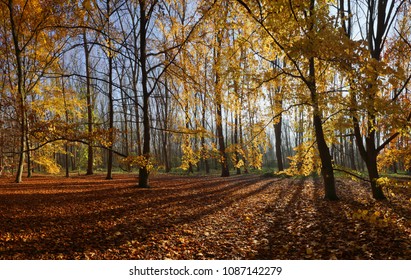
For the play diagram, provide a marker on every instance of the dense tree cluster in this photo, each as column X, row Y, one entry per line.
column 302, row 86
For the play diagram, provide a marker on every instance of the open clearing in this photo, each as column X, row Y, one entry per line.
column 240, row 217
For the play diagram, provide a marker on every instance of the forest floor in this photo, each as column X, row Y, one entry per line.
column 198, row 217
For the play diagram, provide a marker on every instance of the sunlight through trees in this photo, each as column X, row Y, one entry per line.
column 189, row 86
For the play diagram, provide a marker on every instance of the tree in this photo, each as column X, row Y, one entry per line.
column 146, row 14
column 276, row 93
column 35, row 49
column 110, row 9
column 90, row 106
column 380, row 16
column 153, row 65
column 294, row 30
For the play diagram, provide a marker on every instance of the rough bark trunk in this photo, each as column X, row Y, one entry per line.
column 29, row 167
column 144, row 169
column 110, row 55
column 66, row 115
column 370, row 159
column 373, row 176
column 203, row 121
column 111, row 119
column 240, row 127
column 90, row 154
column 20, row 92
column 327, row 170
column 165, row 133
column 369, row 155
column 278, row 144
column 352, row 153
column 236, row 143
column 225, row 172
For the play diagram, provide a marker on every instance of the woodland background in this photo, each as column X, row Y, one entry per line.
column 298, row 87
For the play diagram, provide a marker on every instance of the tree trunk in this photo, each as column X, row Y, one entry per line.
column 203, row 121
column 369, row 155
column 165, row 133
column 278, row 144
column 236, row 143
column 125, row 124
column 20, row 92
column 67, row 160
column 110, row 98
column 66, row 114
column 111, row 118
column 352, row 153
column 90, row 154
column 19, row 174
column 276, row 98
column 203, row 143
column 225, row 172
column 327, row 170
column 29, row 167
column 144, row 171
column 277, row 133
column 237, row 112
column 373, row 176
column 187, row 140
column 240, row 127
column 144, row 168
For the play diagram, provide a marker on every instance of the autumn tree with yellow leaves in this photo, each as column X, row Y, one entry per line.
column 34, row 45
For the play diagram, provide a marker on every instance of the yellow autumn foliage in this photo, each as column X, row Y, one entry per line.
column 140, row 161
column 393, row 155
column 306, row 160
column 190, row 157
column 49, row 164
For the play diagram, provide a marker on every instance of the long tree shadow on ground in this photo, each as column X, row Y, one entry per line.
column 241, row 217
column 70, row 224
column 308, row 227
